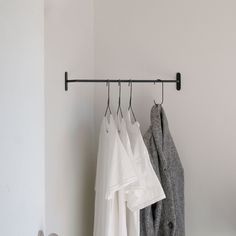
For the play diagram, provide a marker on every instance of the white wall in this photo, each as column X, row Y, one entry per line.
column 70, row 165
column 22, row 118
column 132, row 39
column 156, row 39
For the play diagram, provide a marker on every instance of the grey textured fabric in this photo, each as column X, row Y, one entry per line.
column 165, row 218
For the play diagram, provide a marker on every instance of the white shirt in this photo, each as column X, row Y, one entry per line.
column 114, row 172
column 147, row 189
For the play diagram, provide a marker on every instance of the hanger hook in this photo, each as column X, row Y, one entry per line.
column 162, row 92
column 108, row 98
column 119, row 101
column 130, row 99
column 108, row 92
column 119, row 91
column 130, row 94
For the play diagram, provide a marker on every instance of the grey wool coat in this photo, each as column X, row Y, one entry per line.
column 164, row 218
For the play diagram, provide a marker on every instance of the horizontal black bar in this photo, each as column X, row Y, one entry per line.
column 177, row 81
column 120, row 81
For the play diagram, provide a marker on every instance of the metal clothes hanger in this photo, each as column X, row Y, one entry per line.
column 130, row 100
column 162, row 94
column 119, row 109
column 108, row 99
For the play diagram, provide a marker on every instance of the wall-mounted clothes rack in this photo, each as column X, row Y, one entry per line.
column 177, row 81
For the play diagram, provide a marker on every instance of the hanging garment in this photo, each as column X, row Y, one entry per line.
column 147, row 189
column 114, row 172
column 152, row 190
column 165, row 218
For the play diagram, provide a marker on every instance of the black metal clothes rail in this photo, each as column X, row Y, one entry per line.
column 177, row 81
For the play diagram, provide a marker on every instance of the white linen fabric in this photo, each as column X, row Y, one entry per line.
column 149, row 189
column 125, row 179
column 114, row 172
column 140, row 193
column 129, row 223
